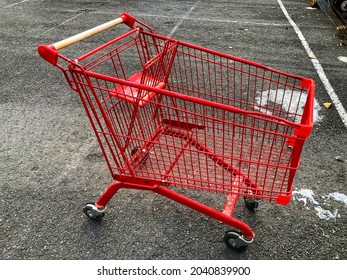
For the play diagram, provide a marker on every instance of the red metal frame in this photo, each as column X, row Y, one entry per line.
column 170, row 114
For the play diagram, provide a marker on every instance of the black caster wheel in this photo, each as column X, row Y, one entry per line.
column 251, row 203
column 93, row 212
column 235, row 241
column 340, row 5
column 143, row 153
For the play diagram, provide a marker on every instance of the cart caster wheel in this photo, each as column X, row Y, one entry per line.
column 93, row 212
column 235, row 241
column 341, row 5
column 145, row 158
column 251, row 203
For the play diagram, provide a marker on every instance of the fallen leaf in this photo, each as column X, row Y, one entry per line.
column 327, row 105
column 312, row 57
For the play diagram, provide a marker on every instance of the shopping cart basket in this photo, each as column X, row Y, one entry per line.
column 169, row 115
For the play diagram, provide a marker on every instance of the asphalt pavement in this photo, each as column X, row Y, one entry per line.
column 51, row 164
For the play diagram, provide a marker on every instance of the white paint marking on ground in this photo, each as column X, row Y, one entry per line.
column 304, row 195
column 290, row 101
column 308, row 197
column 342, row 58
column 334, row 98
column 325, row 214
column 240, row 22
column 66, row 21
column 214, row 20
column 310, row 8
column 15, row 4
column 183, row 18
column 338, row 197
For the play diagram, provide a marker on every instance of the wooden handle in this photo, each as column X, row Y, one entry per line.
column 83, row 35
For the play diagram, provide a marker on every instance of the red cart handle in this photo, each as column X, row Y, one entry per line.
column 49, row 52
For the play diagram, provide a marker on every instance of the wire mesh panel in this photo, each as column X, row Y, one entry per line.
column 169, row 113
column 193, row 118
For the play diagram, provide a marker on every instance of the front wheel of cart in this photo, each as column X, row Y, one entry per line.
column 235, row 241
column 93, row 212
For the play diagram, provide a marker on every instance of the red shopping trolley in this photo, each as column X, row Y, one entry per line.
column 169, row 115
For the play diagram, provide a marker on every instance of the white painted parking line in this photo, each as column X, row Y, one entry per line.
column 334, row 98
column 66, row 21
column 261, row 23
column 183, row 18
column 14, row 4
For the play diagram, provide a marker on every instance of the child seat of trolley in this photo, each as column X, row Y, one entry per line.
column 154, row 74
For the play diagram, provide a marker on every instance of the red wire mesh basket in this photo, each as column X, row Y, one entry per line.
column 167, row 113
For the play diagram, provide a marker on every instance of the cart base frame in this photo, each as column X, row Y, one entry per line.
column 95, row 211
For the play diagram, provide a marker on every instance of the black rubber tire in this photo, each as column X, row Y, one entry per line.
column 231, row 236
column 92, row 213
column 251, row 204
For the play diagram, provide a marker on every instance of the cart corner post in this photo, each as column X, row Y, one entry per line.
column 284, row 199
column 48, row 53
column 128, row 19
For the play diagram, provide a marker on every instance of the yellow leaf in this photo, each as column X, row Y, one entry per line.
column 327, row 105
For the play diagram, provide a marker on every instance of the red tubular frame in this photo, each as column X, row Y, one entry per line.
column 224, row 217
column 103, row 96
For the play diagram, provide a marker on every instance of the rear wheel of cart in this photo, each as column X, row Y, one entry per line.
column 93, row 212
column 233, row 240
column 251, row 203
column 144, row 151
